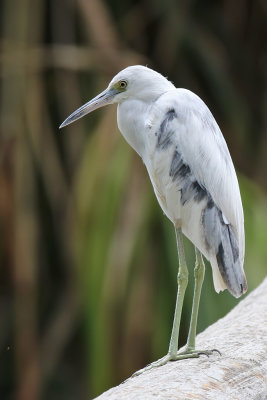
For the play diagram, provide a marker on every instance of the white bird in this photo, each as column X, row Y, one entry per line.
column 193, row 177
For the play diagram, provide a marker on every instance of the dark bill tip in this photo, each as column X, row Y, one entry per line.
column 101, row 100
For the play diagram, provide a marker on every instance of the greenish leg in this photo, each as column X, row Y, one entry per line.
column 182, row 280
column 199, row 273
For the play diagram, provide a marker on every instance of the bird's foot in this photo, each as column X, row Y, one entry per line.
column 181, row 355
column 197, row 353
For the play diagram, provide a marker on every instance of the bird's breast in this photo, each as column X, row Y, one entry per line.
column 131, row 116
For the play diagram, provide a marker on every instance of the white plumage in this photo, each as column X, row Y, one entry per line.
column 196, row 135
column 193, row 177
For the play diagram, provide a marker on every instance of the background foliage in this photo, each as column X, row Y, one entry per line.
column 88, row 261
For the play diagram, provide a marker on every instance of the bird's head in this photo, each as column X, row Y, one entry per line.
column 136, row 82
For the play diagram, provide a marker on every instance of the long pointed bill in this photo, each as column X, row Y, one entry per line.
column 101, row 100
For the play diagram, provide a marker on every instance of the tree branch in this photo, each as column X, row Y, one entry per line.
column 240, row 373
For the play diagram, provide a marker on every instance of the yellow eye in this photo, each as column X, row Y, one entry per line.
column 123, row 84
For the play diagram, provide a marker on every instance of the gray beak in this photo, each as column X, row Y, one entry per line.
column 101, row 100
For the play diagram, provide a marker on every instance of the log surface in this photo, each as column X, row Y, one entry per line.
column 239, row 374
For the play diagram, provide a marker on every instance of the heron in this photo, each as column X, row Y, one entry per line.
column 194, row 180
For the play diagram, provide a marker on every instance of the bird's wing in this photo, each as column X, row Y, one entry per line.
column 202, row 147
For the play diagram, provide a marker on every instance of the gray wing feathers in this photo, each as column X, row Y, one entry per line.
column 219, row 237
column 201, row 146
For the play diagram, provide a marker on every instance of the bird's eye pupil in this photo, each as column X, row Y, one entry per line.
column 123, row 84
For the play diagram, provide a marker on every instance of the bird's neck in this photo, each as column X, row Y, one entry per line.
column 131, row 115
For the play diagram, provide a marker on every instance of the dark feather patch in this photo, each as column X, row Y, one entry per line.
column 165, row 133
column 233, row 242
column 201, row 193
column 221, row 262
column 221, row 239
column 185, row 180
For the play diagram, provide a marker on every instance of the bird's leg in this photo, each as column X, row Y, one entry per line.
column 189, row 351
column 182, row 279
column 199, row 273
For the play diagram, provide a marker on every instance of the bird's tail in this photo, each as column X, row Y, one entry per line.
column 224, row 253
column 229, row 263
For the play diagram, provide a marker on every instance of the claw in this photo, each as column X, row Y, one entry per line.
column 216, row 351
column 204, row 353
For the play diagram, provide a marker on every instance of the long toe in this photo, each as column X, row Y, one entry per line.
column 158, row 363
column 181, row 355
column 195, row 353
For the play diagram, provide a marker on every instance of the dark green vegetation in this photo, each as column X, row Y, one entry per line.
column 88, row 261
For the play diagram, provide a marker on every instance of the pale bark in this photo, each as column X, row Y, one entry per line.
column 240, row 373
